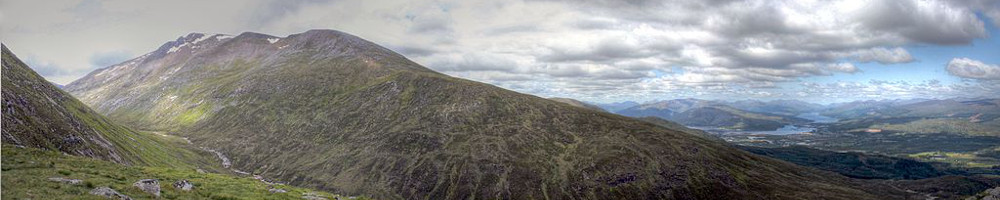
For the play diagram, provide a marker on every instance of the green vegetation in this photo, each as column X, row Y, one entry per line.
column 26, row 172
column 855, row 165
column 966, row 160
column 946, row 125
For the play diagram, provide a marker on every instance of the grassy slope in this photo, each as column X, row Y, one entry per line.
column 37, row 114
column 26, row 172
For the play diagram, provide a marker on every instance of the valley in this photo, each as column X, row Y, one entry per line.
column 959, row 139
column 493, row 99
column 332, row 112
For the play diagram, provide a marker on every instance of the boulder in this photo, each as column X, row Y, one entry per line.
column 66, row 180
column 276, row 190
column 184, row 185
column 313, row 196
column 151, row 186
column 110, row 193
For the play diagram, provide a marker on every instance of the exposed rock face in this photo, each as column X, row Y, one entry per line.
column 992, row 194
column 184, row 185
column 151, row 186
column 110, row 193
column 66, row 180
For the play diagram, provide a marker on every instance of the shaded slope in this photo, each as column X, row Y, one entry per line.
column 857, row 165
column 37, row 114
column 329, row 110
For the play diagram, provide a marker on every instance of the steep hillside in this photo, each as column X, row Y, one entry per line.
column 37, row 114
column 329, row 110
column 577, row 103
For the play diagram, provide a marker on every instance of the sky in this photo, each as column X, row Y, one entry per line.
column 602, row 51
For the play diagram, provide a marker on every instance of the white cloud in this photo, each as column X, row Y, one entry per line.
column 591, row 48
column 974, row 69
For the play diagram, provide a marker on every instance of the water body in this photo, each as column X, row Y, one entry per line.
column 816, row 117
column 786, row 130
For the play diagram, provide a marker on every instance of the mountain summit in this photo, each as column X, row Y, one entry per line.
column 329, row 110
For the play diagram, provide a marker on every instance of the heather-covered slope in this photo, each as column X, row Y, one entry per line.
column 329, row 110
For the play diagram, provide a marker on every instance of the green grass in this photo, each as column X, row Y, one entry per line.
column 946, row 125
column 967, row 160
column 26, row 172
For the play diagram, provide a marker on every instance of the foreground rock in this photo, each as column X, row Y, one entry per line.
column 151, row 186
column 313, row 196
column 184, row 185
column 989, row 194
column 66, row 180
column 108, row 192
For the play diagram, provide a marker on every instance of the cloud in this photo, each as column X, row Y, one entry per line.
column 883, row 89
column 933, row 22
column 589, row 49
column 884, row 56
column 110, row 58
column 974, row 69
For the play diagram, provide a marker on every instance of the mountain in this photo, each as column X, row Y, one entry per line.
column 329, row 110
column 54, row 147
column 577, row 103
column 695, row 112
column 959, row 116
column 868, row 108
column 778, row 107
column 37, row 114
column 617, row 106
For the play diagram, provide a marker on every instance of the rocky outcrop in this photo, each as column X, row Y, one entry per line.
column 184, row 185
column 270, row 188
column 313, row 196
column 151, row 186
column 66, row 180
column 989, row 194
column 110, row 193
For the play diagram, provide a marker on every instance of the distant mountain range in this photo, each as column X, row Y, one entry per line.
column 617, row 106
column 578, row 103
column 959, row 116
column 977, row 116
column 699, row 113
column 329, row 110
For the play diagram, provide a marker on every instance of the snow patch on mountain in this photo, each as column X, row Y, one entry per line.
column 203, row 38
column 223, row 37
